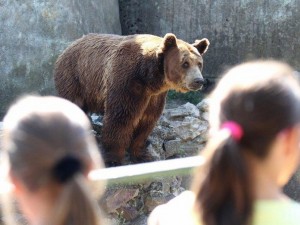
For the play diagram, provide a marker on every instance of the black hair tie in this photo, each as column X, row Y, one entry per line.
column 66, row 168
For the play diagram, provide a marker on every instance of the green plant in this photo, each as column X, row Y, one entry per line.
column 193, row 97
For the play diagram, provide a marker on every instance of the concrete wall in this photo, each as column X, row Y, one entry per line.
column 238, row 30
column 33, row 33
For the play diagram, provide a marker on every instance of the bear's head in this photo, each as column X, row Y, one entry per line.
column 183, row 63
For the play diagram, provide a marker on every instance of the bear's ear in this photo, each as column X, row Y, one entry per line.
column 201, row 45
column 169, row 41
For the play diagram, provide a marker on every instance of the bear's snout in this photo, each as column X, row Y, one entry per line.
column 198, row 81
column 194, row 79
column 196, row 84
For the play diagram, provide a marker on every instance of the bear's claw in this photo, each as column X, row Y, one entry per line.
column 112, row 164
column 142, row 157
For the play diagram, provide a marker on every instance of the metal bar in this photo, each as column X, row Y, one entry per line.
column 136, row 173
column 145, row 171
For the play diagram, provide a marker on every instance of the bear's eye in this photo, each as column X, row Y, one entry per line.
column 185, row 65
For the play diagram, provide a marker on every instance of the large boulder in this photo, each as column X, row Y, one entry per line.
column 34, row 33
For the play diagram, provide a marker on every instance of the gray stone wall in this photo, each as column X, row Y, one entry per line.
column 34, row 33
column 238, row 30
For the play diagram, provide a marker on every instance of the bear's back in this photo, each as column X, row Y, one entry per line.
column 97, row 50
column 90, row 65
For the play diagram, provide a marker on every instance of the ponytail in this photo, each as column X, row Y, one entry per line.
column 223, row 193
column 75, row 205
column 267, row 93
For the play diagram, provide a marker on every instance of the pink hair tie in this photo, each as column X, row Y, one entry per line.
column 234, row 128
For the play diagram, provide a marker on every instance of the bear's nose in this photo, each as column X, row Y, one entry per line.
column 198, row 81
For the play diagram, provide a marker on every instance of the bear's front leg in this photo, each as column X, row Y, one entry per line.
column 138, row 146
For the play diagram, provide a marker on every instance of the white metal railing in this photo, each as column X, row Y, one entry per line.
column 137, row 172
column 144, row 171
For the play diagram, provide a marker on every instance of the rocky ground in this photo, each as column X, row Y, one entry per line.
column 180, row 132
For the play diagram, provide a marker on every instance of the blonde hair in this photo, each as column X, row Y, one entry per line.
column 39, row 134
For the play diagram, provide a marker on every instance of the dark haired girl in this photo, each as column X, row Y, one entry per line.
column 252, row 152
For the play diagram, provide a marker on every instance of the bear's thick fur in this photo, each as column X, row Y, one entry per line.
column 127, row 78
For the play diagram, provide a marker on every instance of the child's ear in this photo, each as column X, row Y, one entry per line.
column 16, row 186
column 295, row 140
column 290, row 138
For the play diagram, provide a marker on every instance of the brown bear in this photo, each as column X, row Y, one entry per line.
column 127, row 78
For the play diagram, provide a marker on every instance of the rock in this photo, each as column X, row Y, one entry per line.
column 97, row 119
column 189, row 128
column 1, row 128
column 129, row 213
column 111, row 221
column 193, row 110
column 181, row 112
column 152, row 202
column 205, row 116
column 163, row 130
column 129, row 204
column 186, row 181
column 97, row 122
column 175, row 187
column 154, row 152
column 160, row 187
column 141, row 220
column 178, row 191
column 203, row 105
column 201, row 139
column 173, row 147
column 115, row 199
column 161, row 191
column 178, row 148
